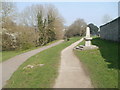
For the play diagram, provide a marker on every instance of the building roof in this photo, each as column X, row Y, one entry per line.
column 111, row 21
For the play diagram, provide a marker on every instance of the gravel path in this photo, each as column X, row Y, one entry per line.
column 8, row 67
column 71, row 72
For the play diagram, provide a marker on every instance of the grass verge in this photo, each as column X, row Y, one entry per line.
column 102, row 63
column 39, row 77
column 9, row 54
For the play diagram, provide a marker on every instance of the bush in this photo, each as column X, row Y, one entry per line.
column 8, row 41
column 25, row 46
column 21, row 38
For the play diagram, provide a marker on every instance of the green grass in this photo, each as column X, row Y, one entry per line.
column 9, row 54
column 39, row 77
column 102, row 63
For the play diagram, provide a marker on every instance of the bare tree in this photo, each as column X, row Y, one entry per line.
column 15, row 36
column 29, row 15
column 8, row 10
column 8, row 14
column 77, row 28
column 106, row 18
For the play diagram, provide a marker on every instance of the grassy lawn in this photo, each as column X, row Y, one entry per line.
column 39, row 77
column 102, row 63
column 9, row 54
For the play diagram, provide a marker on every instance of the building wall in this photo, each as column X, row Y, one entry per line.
column 109, row 31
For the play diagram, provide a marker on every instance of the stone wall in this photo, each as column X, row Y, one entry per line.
column 110, row 30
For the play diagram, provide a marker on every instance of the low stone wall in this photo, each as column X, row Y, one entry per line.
column 110, row 30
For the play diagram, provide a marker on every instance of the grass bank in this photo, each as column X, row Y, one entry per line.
column 39, row 76
column 102, row 63
column 9, row 54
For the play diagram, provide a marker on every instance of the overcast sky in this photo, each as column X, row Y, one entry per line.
column 91, row 12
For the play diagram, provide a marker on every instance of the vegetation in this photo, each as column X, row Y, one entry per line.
column 8, row 54
column 5, row 55
column 76, row 29
column 47, row 25
column 102, row 63
column 39, row 77
column 93, row 29
column 18, row 38
column 42, row 22
column 37, row 25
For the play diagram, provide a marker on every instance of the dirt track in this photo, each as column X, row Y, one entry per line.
column 71, row 72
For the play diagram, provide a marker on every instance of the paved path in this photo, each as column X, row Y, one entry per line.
column 71, row 73
column 11, row 65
